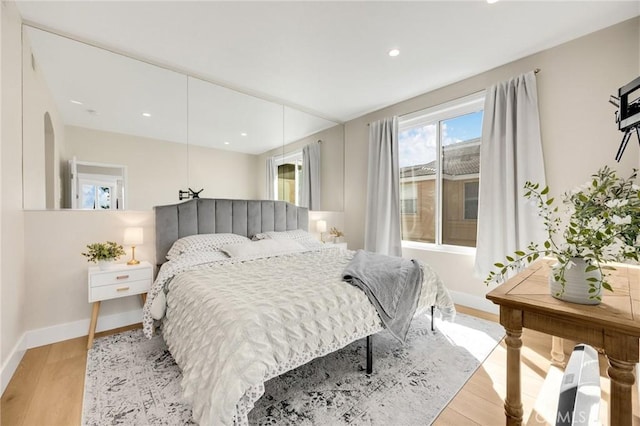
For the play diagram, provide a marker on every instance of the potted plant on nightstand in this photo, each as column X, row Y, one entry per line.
column 602, row 226
column 336, row 234
column 104, row 254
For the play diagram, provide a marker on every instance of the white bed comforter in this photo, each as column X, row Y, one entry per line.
column 232, row 325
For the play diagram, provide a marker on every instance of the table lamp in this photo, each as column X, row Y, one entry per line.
column 321, row 227
column 132, row 237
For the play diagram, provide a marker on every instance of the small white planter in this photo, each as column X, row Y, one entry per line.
column 105, row 265
column 576, row 288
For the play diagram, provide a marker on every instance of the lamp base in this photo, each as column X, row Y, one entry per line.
column 133, row 260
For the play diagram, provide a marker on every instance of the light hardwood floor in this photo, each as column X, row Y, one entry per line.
column 47, row 387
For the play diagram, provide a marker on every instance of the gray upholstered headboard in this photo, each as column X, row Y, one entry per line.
column 214, row 216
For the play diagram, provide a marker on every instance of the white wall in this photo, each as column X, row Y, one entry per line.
column 578, row 130
column 12, row 284
column 223, row 174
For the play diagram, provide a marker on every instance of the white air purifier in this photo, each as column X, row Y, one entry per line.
column 579, row 401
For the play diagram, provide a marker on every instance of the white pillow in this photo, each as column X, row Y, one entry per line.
column 203, row 242
column 261, row 248
column 302, row 237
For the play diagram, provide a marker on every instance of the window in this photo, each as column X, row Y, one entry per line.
column 289, row 175
column 96, row 186
column 471, row 200
column 409, row 198
column 439, row 154
column 95, row 197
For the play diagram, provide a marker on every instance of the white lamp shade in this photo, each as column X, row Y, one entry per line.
column 321, row 226
column 133, row 236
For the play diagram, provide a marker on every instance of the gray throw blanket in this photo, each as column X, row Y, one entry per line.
column 392, row 284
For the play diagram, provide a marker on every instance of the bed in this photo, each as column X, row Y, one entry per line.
column 232, row 323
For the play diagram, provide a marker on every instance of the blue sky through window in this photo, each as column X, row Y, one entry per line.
column 417, row 145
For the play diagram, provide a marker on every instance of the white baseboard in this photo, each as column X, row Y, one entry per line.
column 71, row 330
column 60, row 332
column 11, row 364
column 475, row 302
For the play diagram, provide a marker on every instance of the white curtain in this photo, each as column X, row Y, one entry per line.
column 510, row 155
column 272, row 179
column 310, row 190
column 382, row 226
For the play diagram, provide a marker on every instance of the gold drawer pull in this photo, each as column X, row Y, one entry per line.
column 122, row 277
column 122, row 289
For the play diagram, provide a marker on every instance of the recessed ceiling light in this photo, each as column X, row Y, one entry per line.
column 73, row 101
column 492, row 1
column 243, row 134
column 226, row 143
column 394, row 52
column 146, row 114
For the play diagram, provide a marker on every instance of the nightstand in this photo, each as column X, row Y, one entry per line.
column 341, row 246
column 120, row 280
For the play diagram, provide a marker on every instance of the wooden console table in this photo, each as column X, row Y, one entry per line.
column 613, row 326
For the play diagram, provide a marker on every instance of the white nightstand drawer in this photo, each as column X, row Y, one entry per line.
column 123, row 289
column 119, row 276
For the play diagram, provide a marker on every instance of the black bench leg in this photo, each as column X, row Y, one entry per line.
column 369, row 355
column 433, row 309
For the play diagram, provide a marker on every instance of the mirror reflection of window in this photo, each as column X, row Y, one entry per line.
column 96, row 186
column 96, row 197
column 289, row 177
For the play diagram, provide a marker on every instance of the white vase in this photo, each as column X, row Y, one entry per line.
column 105, row 265
column 576, row 287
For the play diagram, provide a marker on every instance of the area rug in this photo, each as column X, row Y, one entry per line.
column 131, row 380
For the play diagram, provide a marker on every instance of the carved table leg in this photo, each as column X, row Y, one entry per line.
column 511, row 320
column 557, row 352
column 621, row 374
column 513, row 403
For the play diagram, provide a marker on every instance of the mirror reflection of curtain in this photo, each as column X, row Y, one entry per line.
column 272, row 179
column 310, row 191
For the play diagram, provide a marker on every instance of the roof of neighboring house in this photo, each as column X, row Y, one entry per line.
column 459, row 159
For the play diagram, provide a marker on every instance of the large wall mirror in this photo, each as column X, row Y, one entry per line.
column 105, row 131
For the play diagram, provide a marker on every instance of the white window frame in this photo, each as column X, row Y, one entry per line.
column 455, row 108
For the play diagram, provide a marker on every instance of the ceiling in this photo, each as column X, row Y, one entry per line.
column 329, row 58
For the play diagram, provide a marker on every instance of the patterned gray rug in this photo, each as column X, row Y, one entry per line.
column 134, row 381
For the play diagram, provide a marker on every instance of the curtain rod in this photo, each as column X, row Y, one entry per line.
column 535, row 71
